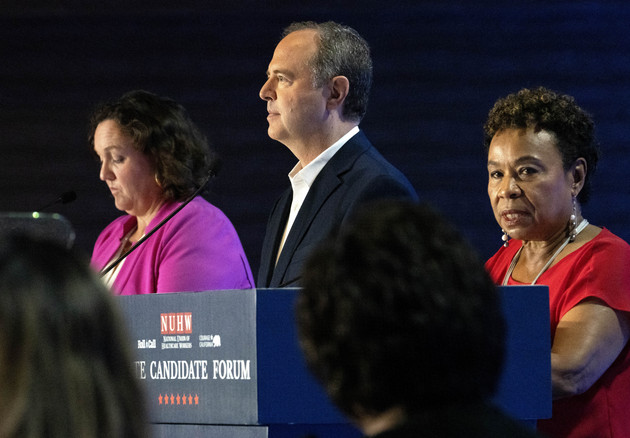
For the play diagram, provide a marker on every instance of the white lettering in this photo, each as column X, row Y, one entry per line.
column 231, row 369
column 140, row 371
column 179, row 370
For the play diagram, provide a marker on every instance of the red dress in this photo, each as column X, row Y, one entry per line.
column 601, row 269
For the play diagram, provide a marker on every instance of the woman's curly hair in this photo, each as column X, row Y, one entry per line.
column 544, row 109
column 162, row 130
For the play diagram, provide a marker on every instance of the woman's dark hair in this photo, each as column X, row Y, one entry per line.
column 543, row 109
column 393, row 307
column 66, row 368
column 162, row 130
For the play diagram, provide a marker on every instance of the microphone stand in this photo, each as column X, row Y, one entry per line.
column 157, row 227
column 63, row 199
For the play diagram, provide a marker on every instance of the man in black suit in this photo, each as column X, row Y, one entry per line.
column 317, row 88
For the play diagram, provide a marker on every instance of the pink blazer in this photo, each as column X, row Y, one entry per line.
column 197, row 250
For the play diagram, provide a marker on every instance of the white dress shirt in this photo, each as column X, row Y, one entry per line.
column 302, row 179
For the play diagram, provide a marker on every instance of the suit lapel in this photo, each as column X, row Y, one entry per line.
column 303, row 220
column 271, row 242
column 324, row 185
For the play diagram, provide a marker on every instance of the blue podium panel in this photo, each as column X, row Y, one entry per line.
column 225, row 359
column 313, row 431
column 525, row 385
column 287, row 393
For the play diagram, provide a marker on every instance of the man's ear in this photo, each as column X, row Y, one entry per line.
column 578, row 171
column 339, row 88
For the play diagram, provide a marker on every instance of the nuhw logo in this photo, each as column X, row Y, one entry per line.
column 176, row 323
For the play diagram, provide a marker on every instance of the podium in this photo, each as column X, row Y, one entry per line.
column 228, row 364
column 524, row 390
column 48, row 226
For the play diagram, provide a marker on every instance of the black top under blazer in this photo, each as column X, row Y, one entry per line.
column 356, row 174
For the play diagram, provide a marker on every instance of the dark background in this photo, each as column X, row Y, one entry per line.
column 438, row 68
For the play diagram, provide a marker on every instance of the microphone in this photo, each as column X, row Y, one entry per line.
column 64, row 198
column 140, row 241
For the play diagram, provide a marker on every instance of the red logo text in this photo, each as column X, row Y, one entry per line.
column 176, row 323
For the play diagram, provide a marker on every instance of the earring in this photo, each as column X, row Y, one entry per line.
column 573, row 223
column 157, row 180
column 505, row 238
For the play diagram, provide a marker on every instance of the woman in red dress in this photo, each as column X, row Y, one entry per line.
column 541, row 154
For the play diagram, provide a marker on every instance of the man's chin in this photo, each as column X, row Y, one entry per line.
column 275, row 135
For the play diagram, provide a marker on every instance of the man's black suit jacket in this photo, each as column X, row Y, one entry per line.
column 356, row 174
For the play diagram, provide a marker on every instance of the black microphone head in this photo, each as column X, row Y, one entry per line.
column 68, row 197
column 64, row 198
